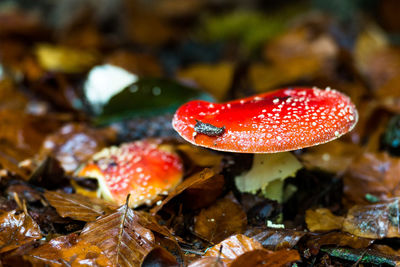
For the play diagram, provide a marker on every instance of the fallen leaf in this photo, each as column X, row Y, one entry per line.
column 216, row 79
column 368, row 256
column 267, row 258
column 78, row 207
column 120, row 236
column 335, row 156
column 65, row 59
column 233, row 247
column 375, row 174
column 374, row 221
column 200, row 156
column 208, row 262
column 67, row 250
column 196, row 180
column 275, row 239
column 159, row 256
column 323, row 220
column 315, row 242
column 17, row 229
column 220, row 220
column 75, row 143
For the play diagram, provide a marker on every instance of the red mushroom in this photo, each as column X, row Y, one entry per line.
column 143, row 169
column 277, row 121
column 282, row 120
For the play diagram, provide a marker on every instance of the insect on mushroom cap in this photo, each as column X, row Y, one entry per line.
column 281, row 120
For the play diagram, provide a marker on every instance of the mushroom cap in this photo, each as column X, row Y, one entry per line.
column 281, row 120
column 143, row 169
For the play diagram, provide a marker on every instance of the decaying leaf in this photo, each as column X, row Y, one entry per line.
column 374, row 221
column 75, row 143
column 208, row 261
column 78, row 207
column 275, row 239
column 315, row 242
column 120, row 236
column 375, row 174
column 16, row 229
column 68, row 250
column 159, row 256
column 233, row 247
column 196, row 180
column 263, row 257
column 335, row 156
column 368, row 256
column 215, row 79
column 220, row 220
column 200, row 156
column 323, row 220
column 65, row 59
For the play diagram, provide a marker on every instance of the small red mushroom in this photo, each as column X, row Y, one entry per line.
column 277, row 121
column 143, row 169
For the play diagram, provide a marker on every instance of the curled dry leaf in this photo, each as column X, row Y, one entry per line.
column 197, row 180
column 323, row 220
column 266, row 258
column 275, row 239
column 120, row 236
column 78, row 207
column 208, row 261
column 220, row 220
column 374, row 221
column 67, row 250
column 372, row 173
column 233, row 247
column 16, row 229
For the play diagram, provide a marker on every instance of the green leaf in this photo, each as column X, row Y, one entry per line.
column 148, row 97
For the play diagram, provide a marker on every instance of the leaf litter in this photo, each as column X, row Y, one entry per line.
column 340, row 209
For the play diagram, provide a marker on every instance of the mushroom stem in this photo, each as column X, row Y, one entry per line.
column 268, row 173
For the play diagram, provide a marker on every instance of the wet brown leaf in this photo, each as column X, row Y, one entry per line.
column 120, row 236
column 335, row 156
column 233, row 247
column 197, row 181
column 275, row 239
column 75, row 143
column 159, row 256
column 323, row 220
column 78, row 207
column 16, row 229
column 208, row 262
column 315, row 242
column 220, row 220
column 263, row 257
column 374, row 221
column 372, row 173
column 200, row 156
column 68, row 251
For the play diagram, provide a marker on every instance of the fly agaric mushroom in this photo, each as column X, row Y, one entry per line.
column 277, row 121
column 143, row 169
